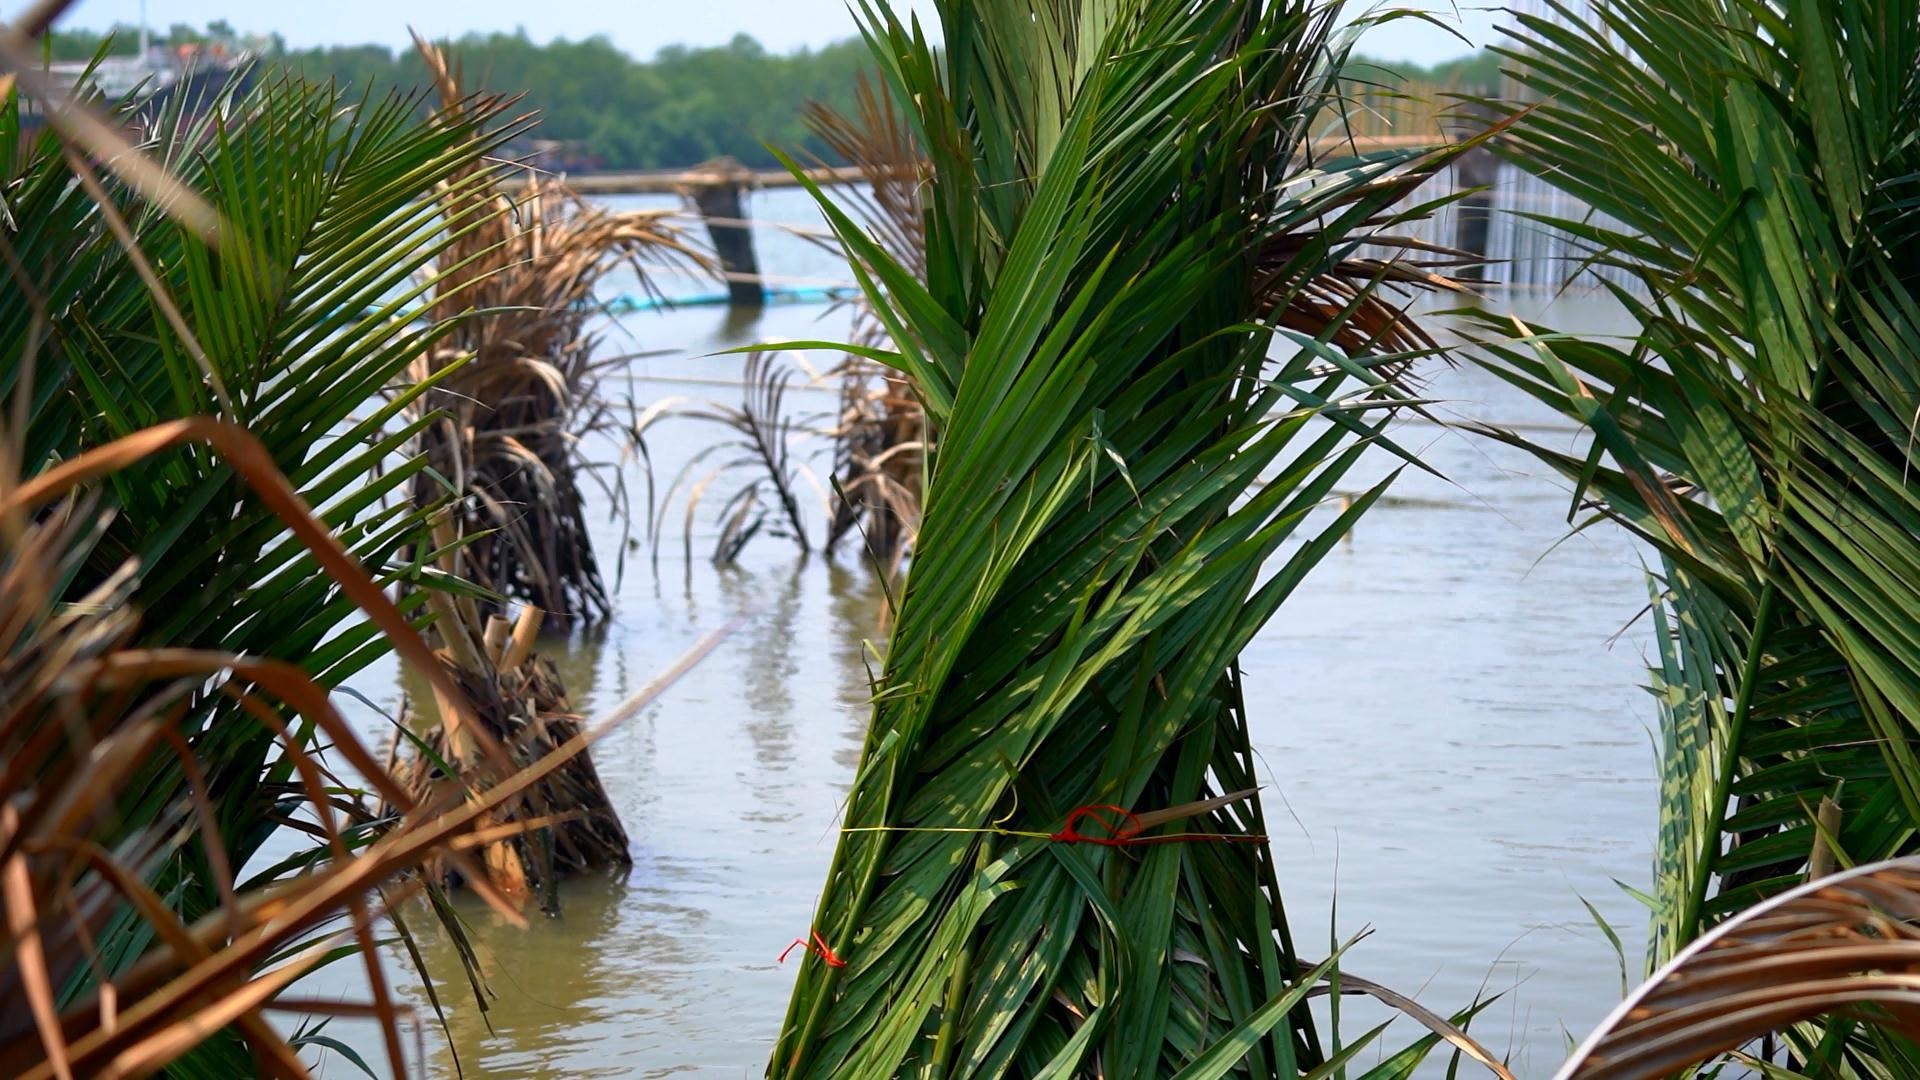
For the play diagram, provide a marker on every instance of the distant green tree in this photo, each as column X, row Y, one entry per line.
column 1476, row 73
column 684, row 106
column 681, row 108
column 85, row 44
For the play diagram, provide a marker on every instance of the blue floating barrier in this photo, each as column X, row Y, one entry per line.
column 628, row 303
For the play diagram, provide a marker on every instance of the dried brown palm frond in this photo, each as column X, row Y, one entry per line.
column 879, row 454
column 87, row 715
column 1376, row 289
column 1316, row 272
column 879, row 142
column 138, row 773
column 526, row 389
column 1842, row 946
column 764, row 431
column 880, row 438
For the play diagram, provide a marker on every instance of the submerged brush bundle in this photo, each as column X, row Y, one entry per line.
column 561, row 825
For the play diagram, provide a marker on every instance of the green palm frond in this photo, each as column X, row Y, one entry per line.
column 289, row 319
column 1119, row 210
column 1762, row 169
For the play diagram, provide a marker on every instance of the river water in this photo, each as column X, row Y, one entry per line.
column 1456, row 747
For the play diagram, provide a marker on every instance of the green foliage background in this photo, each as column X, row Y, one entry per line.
column 684, row 106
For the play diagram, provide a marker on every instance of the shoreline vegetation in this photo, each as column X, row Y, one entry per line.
column 606, row 109
column 1146, row 338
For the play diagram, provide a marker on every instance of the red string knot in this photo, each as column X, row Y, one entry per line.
column 1119, row 825
column 818, row 946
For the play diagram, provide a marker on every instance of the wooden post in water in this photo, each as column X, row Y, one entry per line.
column 716, row 189
column 1477, row 168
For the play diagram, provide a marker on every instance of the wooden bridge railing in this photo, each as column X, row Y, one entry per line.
column 674, row 182
column 716, row 190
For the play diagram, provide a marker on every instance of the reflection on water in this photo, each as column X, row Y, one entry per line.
column 570, row 975
column 738, row 326
column 577, row 660
column 772, row 663
column 860, row 603
column 1452, row 738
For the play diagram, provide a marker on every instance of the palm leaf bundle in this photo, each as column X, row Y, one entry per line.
column 517, row 379
column 117, row 967
column 290, row 326
column 129, row 325
column 1121, row 205
column 564, row 824
column 1762, row 164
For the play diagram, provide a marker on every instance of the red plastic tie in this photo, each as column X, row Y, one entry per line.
column 818, row 947
column 1122, row 828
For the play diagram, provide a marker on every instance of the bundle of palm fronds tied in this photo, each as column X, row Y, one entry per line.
column 517, row 383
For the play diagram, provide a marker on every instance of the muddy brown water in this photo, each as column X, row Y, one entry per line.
column 1456, row 749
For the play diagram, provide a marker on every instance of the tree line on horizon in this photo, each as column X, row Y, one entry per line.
column 611, row 110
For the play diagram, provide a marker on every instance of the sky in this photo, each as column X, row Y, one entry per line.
column 642, row 28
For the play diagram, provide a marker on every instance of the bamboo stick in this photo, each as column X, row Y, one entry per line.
column 1822, row 861
column 495, row 640
column 524, row 631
